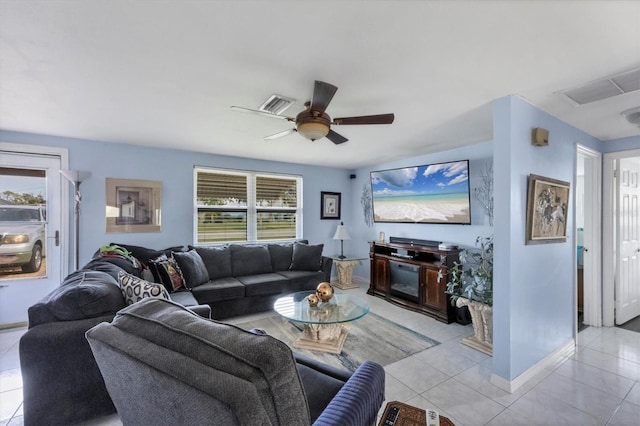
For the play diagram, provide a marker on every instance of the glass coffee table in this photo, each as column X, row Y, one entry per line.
column 326, row 325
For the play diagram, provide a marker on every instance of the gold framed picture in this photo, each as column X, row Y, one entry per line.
column 547, row 210
column 133, row 205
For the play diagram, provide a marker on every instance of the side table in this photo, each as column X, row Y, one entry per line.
column 411, row 416
column 344, row 268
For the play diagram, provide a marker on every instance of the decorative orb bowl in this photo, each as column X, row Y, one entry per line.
column 324, row 291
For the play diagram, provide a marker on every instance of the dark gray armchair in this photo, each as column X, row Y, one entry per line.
column 164, row 364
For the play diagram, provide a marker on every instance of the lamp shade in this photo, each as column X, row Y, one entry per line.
column 341, row 233
column 312, row 130
column 74, row 176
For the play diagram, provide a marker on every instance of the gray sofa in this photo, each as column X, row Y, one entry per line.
column 61, row 381
column 239, row 279
column 243, row 279
column 162, row 362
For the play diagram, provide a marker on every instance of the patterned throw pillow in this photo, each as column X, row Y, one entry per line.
column 166, row 271
column 135, row 289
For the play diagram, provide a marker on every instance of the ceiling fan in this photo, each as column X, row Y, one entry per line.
column 314, row 123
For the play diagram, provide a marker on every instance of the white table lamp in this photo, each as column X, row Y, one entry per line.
column 341, row 234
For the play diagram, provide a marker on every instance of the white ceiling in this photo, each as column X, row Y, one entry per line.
column 164, row 73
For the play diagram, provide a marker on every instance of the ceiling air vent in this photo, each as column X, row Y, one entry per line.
column 276, row 104
column 605, row 88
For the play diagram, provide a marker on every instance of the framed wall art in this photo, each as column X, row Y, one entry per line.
column 133, row 205
column 330, row 205
column 547, row 210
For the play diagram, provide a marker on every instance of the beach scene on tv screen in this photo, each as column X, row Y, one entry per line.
column 436, row 193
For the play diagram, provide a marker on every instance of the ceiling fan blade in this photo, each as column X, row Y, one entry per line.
column 256, row 111
column 366, row 119
column 279, row 134
column 322, row 95
column 336, row 137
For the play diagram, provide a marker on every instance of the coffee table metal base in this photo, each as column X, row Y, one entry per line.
column 323, row 337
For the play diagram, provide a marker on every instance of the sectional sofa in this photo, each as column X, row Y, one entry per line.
column 61, row 381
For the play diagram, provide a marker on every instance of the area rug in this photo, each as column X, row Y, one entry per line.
column 371, row 337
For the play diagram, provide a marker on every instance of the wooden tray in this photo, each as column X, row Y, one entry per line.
column 411, row 416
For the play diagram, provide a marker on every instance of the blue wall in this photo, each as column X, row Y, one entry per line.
column 533, row 284
column 175, row 169
column 462, row 235
column 622, row 144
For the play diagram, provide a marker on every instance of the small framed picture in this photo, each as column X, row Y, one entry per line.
column 330, row 205
column 547, row 210
column 133, row 205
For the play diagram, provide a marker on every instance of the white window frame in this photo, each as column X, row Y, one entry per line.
column 251, row 209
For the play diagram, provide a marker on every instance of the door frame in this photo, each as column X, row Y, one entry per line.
column 63, row 153
column 592, row 292
column 608, row 261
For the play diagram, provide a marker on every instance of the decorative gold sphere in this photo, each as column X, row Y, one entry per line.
column 313, row 300
column 324, row 291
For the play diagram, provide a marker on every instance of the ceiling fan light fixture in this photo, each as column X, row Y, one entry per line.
column 313, row 130
column 632, row 115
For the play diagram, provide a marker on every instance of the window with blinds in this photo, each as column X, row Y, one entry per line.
column 235, row 206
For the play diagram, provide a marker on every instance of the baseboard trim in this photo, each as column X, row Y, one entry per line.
column 511, row 386
column 13, row 325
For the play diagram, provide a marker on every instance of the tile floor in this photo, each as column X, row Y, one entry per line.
column 597, row 385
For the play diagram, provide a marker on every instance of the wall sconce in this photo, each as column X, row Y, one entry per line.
column 539, row 137
column 341, row 234
column 75, row 177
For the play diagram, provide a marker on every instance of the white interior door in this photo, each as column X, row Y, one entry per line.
column 627, row 238
column 18, row 289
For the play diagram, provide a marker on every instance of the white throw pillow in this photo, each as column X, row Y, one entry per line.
column 135, row 289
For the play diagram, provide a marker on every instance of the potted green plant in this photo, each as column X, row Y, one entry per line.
column 471, row 284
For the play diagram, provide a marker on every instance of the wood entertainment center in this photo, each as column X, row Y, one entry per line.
column 406, row 274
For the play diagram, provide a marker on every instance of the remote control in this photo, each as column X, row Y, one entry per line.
column 392, row 416
column 433, row 418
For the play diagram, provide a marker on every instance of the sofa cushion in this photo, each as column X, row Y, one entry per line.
column 144, row 254
column 217, row 260
column 256, row 285
column 133, row 268
column 83, row 294
column 250, row 260
column 135, row 289
column 320, row 388
column 303, row 280
column 218, row 290
column 306, row 257
column 281, row 255
column 166, row 271
column 193, row 268
column 102, row 265
column 184, row 297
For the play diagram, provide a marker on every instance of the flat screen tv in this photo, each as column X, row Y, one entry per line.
column 433, row 193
